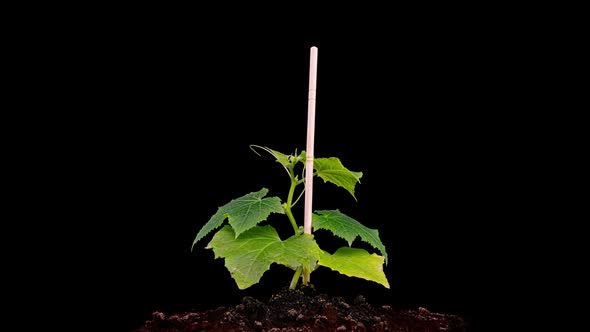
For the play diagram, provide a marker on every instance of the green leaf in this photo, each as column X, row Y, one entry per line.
column 347, row 228
column 282, row 158
column 332, row 170
column 250, row 255
column 243, row 213
column 355, row 262
column 287, row 161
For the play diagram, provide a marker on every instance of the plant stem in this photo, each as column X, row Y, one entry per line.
column 306, row 276
column 295, row 278
column 289, row 204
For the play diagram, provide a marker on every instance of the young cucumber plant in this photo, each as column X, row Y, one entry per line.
column 249, row 249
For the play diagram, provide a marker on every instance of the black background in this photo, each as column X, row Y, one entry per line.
column 151, row 129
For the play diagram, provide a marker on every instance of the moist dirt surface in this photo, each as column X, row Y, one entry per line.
column 304, row 310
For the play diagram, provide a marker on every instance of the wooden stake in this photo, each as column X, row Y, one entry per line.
column 313, row 70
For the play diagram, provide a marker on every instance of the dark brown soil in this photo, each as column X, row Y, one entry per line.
column 304, row 310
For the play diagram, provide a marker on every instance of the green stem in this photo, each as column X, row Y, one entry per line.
column 306, row 276
column 289, row 204
column 295, row 278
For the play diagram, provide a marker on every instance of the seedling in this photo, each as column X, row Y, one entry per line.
column 249, row 249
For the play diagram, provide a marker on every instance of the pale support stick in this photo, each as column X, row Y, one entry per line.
column 313, row 71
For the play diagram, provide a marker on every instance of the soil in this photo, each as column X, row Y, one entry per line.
column 305, row 310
